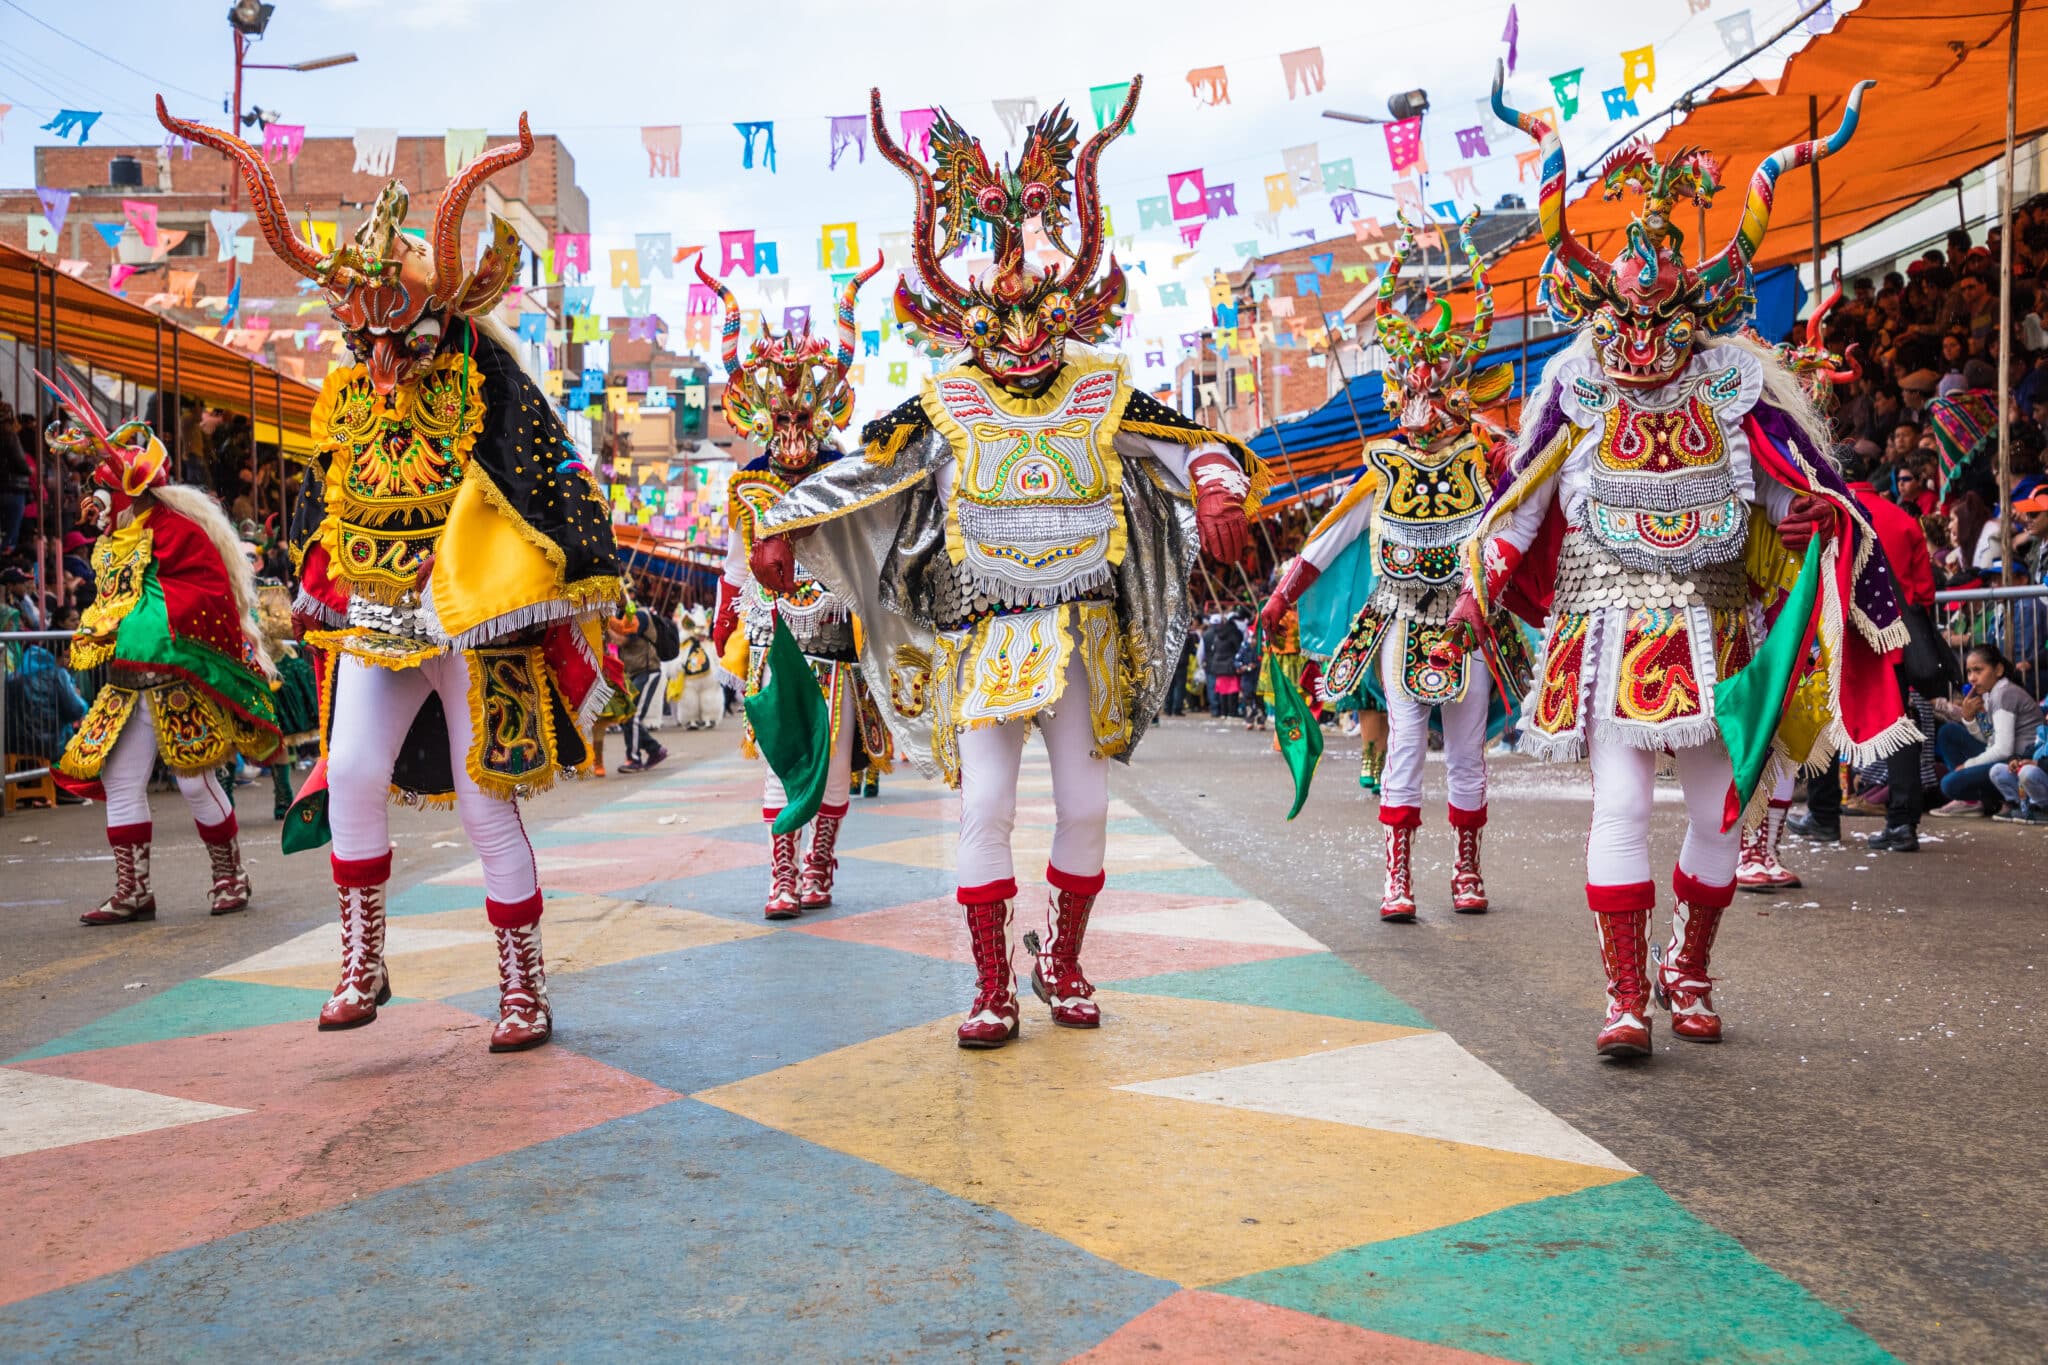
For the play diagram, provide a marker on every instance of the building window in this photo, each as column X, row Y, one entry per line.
column 194, row 244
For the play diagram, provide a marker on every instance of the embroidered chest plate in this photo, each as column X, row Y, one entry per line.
column 1037, row 512
column 1430, row 499
column 120, row 565
column 1662, row 494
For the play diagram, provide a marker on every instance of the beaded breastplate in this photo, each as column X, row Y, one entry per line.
column 1662, row 495
column 1036, row 516
column 1431, row 502
column 394, row 466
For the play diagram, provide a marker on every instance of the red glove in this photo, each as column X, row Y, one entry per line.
column 1467, row 626
column 1809, row 516
column 1220, row 520
column 727, row 618
column 1300, row 576
column 773, row 564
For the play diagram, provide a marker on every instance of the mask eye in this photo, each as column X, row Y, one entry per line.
column 1604, row 328
column 1036, row 196
column 1679, row 333
column 991, row 200
column 1057, row 313
column 981, row 325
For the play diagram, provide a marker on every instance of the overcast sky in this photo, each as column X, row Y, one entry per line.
column 594, row 73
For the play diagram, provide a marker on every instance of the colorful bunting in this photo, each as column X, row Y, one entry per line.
column 1189, row 194
column 1462, row 184
column 1512, row 36
column 225, row 227
column 577, row 298
column 1173, row 295
column 283, row 141
column 664, row 148
column 1305, row 164
column 1638, row 70
column 1444, row 209
column 1341, row 204
column 763, row 129
column 848, row 130
column 637, row 302
column 572, row 251
column 1210, row 85
column 1191, row 233
column 656, row 251
column 1472, row 142
column 839, row 246
column 1106, row 100
column 69, row 121
column 1738, row 34
column 1304, row 71
column 141, row 216
column 1155, row 211
column 1220, row 201
column 917, row 130
column 1280, row 193
column 1015, row 116
column 42, row 235
column 1404, row 143
column 1339, row 175
column 765, row 260
column 736, row 252
column 1619, row 106
column 625, row 268
column 56, row 205
column 460, row 146
column 1565, row 86
column 376, row 151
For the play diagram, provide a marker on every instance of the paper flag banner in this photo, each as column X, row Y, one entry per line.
column 1106, row 100
column 1191, row 233
column 1697, row 6
column 1821, row 20
column 1531, row 162
column 899, row 372
column 572, row 251
column 460, row 146
column 1173, row 295
column 1365, row 229
column 1210, row 85
column 655, row 250
column 1306, row 166
column 588, row 328
column 1338, row 175
column 577, row 298
column 847, row 130
column 1304, row 71
column 765, row 262
column 141, row 216
column 1268, row 223
column 625, row 268
column 118, row 276
column 1265, row 271
column 1408, row 196
column 41, row 235
column 1246, row 381
column 1016, row 116
column 376, row 150
column 1280, row 193
column 593, row 381
column 796, row 319
column 1341, row 204
column 1260, row 290
column 736, row 252
column 283, row 141
column 1323, row 262
column 1512, row 36
column 1189, row 194
column 697, row 331
column 1638, row 70
column 1738, row 34
column 69, row 121
column 1619, row 107
column 917, row 130
column 1155, row 211
column 1565, row 86
column 1308, row 284
column 1208, row 393
column 1462, row 184
column 56, row 204
column 534, row 327
column 644, row 328
column 1445, row 210
column 1226, row 315
column 637, row 303
column 1220, row 201
column 775, row 289
column 1219, row 292
column 870, row 342
column 839, row 246
column 1404, row 143
column 1356, row 274
column 763, row 129
column 664, row 148
column 636, row 381
column 1472, row 142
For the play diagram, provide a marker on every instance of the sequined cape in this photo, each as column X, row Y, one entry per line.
column 878, row 540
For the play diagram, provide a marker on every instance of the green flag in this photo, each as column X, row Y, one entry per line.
column 792, row 728
column 1749, row 705
column 1301, row 738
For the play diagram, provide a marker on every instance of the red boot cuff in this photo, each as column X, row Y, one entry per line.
column 127, row 836
column 1467, row 819
column 222, row 833
column 988, row 893
column 1786, row 804
column 1401, row 817
column 837, row 812
column 1617, row 900
column 1693, row 891
column 769, row 813
column 513, row 914
column 361, row 873
column 1074, row 882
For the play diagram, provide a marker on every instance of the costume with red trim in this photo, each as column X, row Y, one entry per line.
column 456, row 561
column 1662, row 489
column 1017, row 540
column 789, row 395
column 1378, row 576
column 188, row 669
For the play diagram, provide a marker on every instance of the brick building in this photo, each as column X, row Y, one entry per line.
column 540, row 197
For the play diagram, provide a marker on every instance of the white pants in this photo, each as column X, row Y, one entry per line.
column 1624, row 787
column 125, row 776
column 1464, row 723
column 838, row 777
column 372, row 709
column 703, row 701
column 989, row 761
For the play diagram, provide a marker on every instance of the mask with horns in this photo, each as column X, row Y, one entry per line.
column 129, row 460
column 1430, row 387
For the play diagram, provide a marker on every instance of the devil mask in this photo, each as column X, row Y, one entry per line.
column 1429, row 384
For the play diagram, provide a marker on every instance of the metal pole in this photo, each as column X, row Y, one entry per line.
column 254, row 472
column 283, row 481
column 1962, row 214
column 1813, row 178
column 2012, row 77
column 45, row 498
column 178, row 397
column 235, row 127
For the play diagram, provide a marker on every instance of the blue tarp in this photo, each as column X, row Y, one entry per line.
column 1779, row 298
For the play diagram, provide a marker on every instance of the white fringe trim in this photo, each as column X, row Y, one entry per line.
column 1569, row 747
column 539, row 614
column 305, row 604
column 1048, row 595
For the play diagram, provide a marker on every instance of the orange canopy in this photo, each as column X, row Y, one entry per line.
column 1937, row 113
column 111, row 334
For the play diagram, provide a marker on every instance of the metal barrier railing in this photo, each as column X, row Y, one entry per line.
column 41, row 700
column 1969, row 615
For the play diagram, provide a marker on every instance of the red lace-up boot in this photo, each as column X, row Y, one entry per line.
column 1683, row 986
column 1468, row 890
column 1623, row 913
column 992, row 1018
column 1397, row 898
column 783, row 900
column 230, row 889
column 365, row 984
column 1760, row 869
column 1056, row 975
column 132, row 899
column 524, row 1019
column 814, row 885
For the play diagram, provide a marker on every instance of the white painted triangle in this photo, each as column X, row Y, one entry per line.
column 1423, row 1084
column 39, row 1112
column 323, row 945
column 1216, row 922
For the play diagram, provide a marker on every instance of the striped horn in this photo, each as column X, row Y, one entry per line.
column 1087, row 198
column 1732, row 265
column 729, row 333
column 447, row 238
column 847, row 330
column 1550, row 198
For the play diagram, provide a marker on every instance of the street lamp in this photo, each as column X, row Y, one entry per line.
column 1402, row 107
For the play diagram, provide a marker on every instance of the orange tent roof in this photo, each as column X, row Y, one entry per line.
column 1937, row 113
column 107, row 332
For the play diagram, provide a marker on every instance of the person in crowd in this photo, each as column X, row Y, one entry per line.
column 17, row 480
column 2023, row 784
column 1996, row 722
column 1220, row 642
column 1177, row 682
column 642, row 662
